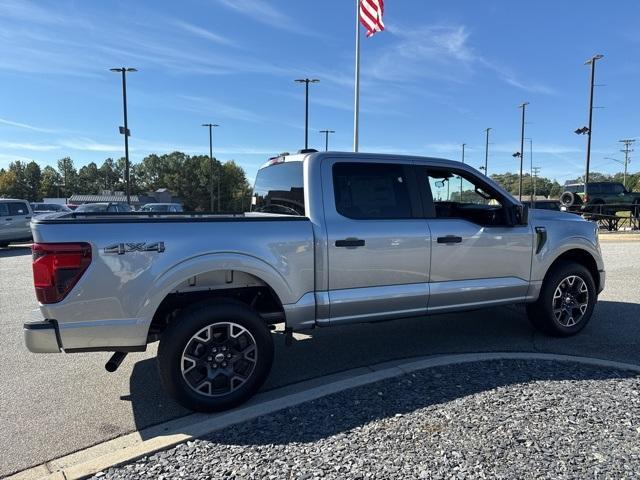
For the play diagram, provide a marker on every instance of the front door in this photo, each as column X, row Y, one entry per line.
column 477, row 258
column 378, row 242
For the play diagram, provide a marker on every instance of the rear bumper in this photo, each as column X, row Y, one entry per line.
column 42, row 336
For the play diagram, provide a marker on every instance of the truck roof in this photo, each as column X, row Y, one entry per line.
column 317, row 156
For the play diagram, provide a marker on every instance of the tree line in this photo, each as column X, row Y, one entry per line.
column 186, row 176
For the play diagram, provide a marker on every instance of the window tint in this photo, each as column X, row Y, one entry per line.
column 371, row 190
column 4, row 210
column 617, row 188
column 279, row 189
column 18, row 208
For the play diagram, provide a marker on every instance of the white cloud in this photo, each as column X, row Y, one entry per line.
column 36, row 147
column 203, row 33
column 86, row 144
column 262, row 11
column 12, row 123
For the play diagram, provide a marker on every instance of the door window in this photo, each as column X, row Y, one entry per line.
column 4, row 210
column 18, row 208
column 457, row 196
column 372, row 191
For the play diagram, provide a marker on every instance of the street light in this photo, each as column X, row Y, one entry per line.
column 306, row 82
column 125, row 130
column 523, row 106
column 326, row 138
column 211, row 126
column 486, row 151
column 589, row 129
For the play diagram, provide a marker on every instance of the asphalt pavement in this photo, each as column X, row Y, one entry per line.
column 54, row 404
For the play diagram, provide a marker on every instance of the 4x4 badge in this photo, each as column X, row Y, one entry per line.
column 122, row 248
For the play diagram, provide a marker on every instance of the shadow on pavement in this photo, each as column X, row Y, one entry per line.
column 332, row 350
column 15, row 251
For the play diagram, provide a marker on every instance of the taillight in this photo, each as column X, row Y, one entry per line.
column 57, row 267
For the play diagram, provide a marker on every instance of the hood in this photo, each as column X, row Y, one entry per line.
column 535, row 214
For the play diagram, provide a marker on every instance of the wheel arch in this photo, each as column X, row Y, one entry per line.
column 578, row 255
column 202, row 278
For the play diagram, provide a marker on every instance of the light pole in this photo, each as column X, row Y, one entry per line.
column 211, row 126
column 486, row 150
column 592, row 62
column 531, row 160
column 523, row 106
column 125, row 130
column 306, row 82
column 534, row 176
column 326, row 138
column 463, row 146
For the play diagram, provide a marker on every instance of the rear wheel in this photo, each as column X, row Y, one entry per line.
column 215, row 356
column 566, row 301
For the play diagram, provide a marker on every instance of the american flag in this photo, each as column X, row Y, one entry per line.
column 371, row 16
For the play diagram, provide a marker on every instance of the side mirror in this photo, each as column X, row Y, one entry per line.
column 520, row 215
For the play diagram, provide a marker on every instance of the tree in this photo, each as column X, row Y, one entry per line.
column 50, row 183
column 69, row 176
column 32, row 180
column 89, row 179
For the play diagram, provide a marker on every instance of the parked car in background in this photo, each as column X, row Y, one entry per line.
column 41, row 207
column 544, row 205
column 162, row 207
column 103, row 207
column 15, row 216
column 600, row 194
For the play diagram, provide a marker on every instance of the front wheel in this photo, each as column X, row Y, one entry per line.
column 566, row 301
column 215, row 356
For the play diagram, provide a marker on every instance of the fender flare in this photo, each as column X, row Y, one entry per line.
column 167, row 281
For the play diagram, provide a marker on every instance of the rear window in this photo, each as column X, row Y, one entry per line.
column 279, row 189
column 18, row 208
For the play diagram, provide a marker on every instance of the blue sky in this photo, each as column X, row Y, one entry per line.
column 439, row 75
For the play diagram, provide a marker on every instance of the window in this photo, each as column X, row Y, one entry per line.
column 456, row 196
column 18, row 208
column 279, row 188
column 4, row 210
column 371, row 190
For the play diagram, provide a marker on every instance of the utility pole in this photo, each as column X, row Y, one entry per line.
column 592, row 62
column 326, row 138
column 486, row 151
column 211, row 126
column 125, row 130
column 534, row 176
column 306, row 82
column 626, row 150
column 523, row 106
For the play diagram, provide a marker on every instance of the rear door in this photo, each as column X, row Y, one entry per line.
column 6, row 222
column 20, row 217
column 378, row 240
column 477, row 258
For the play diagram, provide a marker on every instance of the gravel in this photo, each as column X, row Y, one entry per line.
column 495, row 419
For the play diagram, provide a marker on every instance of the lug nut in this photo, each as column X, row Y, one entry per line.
column 209, row 359
column 228, row 355
column 215, row 365
column 224, row 364
column 214, row 350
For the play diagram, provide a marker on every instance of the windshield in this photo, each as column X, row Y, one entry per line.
column 92, row 207
column 279, row 189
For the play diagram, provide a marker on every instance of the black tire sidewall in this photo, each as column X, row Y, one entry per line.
column 545, row 318
column 180, row 331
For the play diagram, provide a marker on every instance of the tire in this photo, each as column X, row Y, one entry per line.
column 568, row 199
column 221, row 369
column 543, row 312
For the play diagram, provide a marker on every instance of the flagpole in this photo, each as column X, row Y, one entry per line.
column 356, row 106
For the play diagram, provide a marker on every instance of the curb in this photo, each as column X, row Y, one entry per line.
column 130, row 447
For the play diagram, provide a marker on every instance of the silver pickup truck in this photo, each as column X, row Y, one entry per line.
column 332, row 238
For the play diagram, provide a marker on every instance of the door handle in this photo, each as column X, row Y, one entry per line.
column 8, row 219
column 450, row 239
column 350, row 242
column 27, row 218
